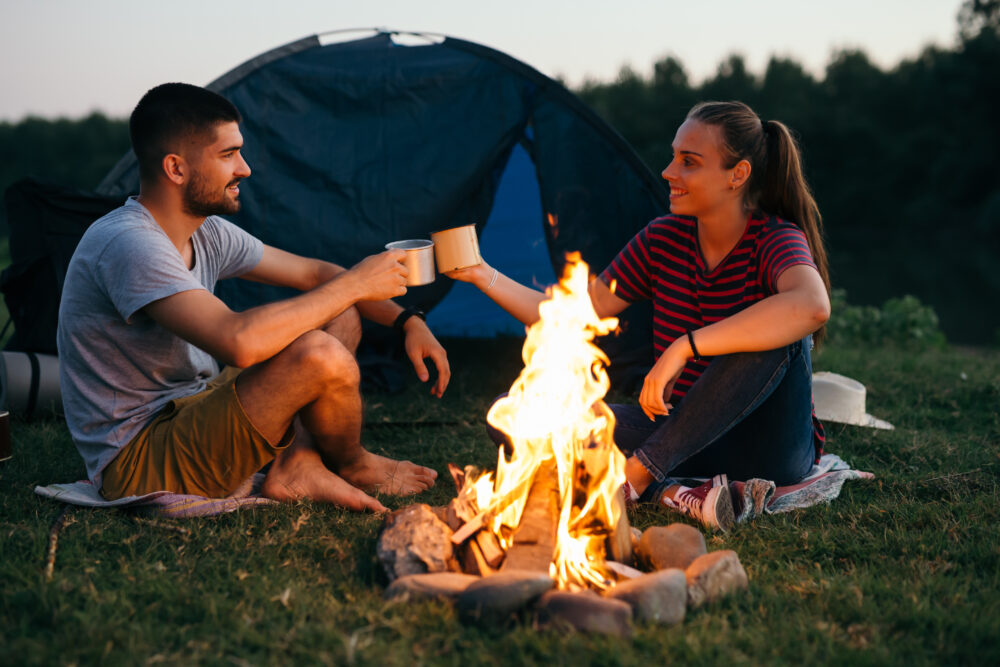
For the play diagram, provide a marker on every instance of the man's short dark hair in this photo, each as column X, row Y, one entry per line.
column 170, row 114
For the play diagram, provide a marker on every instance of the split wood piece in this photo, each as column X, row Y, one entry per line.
column 474, row 562
column 490, row 547
column 466, row 531
column 464, row 511
column 534, row 541
column 458, row 475
column 619, row 543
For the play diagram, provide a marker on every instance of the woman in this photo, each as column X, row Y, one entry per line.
column 737, row 274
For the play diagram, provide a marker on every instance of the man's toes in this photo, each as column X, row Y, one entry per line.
column 372, row 504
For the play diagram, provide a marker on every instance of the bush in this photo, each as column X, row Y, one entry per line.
column 901, row 321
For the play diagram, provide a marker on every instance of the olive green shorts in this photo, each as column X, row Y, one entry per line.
column 202, row 445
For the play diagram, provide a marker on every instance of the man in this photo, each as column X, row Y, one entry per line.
column 140, row 330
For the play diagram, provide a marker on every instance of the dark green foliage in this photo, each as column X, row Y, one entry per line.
column 898, row 570
column 903, row 322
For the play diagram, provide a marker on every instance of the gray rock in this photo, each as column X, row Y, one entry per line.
column 494, row 598
column 587, row 612
column 659, row 597
column 438, row 585
column 664, row 547
column 415, row 541
column 714, row 576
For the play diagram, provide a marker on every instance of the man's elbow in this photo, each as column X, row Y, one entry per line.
column 238, row 350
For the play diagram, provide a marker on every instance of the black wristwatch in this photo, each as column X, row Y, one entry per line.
column 407, row 314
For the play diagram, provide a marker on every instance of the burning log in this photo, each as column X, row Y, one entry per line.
column 534, row 542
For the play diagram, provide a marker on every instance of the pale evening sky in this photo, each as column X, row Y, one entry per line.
column 70, row 57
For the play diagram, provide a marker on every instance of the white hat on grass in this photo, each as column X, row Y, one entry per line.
column 840, row 399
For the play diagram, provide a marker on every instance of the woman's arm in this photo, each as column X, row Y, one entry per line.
column 522, row 301
column 800, row 307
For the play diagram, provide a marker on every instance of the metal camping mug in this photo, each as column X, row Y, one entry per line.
column 456, row 248
column 5, row 449
column 419, row 260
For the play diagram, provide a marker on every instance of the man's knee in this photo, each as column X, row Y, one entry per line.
column 346, row 328
column 325, row 359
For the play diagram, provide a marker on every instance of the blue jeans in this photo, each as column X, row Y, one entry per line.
column 748, row 415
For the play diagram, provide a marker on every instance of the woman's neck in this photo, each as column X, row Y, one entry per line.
column 719, row 232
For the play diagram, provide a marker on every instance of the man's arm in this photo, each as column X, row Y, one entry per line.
column 249, row 337
column 278, row 267
column 266, row 330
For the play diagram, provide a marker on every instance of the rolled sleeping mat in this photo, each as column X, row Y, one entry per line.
column 31, row 383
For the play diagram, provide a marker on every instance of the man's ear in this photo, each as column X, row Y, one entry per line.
column 175, row 168
column 739, row 175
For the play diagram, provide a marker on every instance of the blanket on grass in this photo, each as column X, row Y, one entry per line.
column 160, row 503
column 755, row 497
column 751, row 498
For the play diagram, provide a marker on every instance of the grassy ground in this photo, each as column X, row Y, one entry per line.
column 904, row 569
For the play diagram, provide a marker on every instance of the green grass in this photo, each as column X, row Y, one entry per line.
column 904, row 569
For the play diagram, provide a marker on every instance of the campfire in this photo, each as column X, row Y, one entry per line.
column 555, row 500
column 552, row 514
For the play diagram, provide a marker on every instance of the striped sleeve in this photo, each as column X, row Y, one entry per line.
column 628, row 275
column 784, row 247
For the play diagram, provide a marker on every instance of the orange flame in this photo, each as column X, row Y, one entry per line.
column 555, row 411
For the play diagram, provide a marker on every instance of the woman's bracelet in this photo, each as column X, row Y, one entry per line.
column 492, row 280
column 694, row 350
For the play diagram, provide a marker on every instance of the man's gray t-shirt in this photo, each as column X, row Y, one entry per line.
column 117, row 367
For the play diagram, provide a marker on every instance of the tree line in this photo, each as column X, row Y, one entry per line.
column 901, row 160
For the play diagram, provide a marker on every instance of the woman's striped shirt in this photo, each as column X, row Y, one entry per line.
column 663, row 262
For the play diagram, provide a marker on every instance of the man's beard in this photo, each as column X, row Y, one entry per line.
column 200, row 200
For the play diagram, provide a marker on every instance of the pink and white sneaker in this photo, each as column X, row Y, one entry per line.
column 710, row 503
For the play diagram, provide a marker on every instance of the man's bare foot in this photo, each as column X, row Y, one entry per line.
column 299, row 474
column 378, row 473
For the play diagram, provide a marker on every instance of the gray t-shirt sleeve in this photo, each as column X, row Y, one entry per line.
column 236, row 250
column 140, row 268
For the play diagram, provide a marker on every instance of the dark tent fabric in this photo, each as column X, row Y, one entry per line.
column 46, row 222
column 355, row 144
